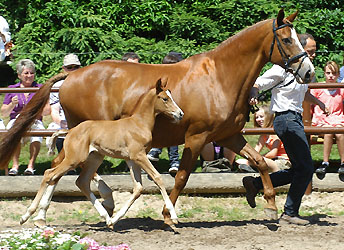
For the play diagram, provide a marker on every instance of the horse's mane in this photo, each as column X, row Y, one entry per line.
column 239, row 34
column 28, row 115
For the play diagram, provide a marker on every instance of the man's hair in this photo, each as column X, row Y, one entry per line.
column 172, row 57
column 130, row 55
column 303, row 38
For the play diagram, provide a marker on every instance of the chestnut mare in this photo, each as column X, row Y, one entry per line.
column 212, row 89
column 128, row 138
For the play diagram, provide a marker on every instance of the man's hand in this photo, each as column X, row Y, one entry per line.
column 253, row 98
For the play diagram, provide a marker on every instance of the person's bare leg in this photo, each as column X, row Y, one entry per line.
column 229, row 154
column 15, row 158
column 34, row 150
column 328, row 142
column 340, row 146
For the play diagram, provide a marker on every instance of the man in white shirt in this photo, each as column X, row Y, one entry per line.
column 287, row 96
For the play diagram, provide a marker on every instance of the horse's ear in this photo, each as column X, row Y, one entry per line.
column 280, row 17
column 158, row 86
column 292, row 17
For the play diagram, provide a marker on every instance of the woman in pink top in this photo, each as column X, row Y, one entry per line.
column 276, row 158
column 333, row 99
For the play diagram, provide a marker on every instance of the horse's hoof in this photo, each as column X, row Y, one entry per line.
column 175, row 221
column 40, row 223
column 271, row 213
column 22, row 221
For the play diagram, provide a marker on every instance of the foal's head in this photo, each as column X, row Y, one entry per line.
column 286, row 46
column 165, row 103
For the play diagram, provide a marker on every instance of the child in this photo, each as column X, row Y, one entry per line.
column 333, row 99
column 276, row 158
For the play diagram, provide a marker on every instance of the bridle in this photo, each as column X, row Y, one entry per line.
column 286, row 60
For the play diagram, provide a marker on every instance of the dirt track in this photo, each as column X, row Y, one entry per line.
column 205, row 223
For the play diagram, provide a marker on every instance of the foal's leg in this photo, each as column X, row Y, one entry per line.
column 147, row 166
column 50, row 179
column 135, row 173
column 40, row 219
column 84, row 180
column 239, row 145
column 106, row 193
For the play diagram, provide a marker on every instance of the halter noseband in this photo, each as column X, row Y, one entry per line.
column 286, row 60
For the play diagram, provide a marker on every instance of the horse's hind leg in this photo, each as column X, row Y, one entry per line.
column 106, row 193
column 40, row 219
column 239, row 145
column 135, row 173
column 46, row 190
column 84, row 180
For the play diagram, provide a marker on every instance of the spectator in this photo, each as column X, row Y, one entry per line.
column 70, row 63
column 287, row 96
column 5, row 37
column 333, row 99
column 153, row 155
column 276, row 158
column 212, row 156
column 131, row 57
column 12, row 105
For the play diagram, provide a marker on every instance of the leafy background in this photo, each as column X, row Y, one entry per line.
column 45, row 30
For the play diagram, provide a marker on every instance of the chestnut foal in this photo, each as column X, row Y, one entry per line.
column 128, row 138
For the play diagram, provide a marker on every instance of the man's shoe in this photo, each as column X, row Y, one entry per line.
column 153, row 156
column 251, row 190
column 287, row 219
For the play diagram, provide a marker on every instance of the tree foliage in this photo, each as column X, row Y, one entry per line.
column 45, row 30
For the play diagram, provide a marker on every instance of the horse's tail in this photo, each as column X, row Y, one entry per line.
column 52, row 142
column 10, row 140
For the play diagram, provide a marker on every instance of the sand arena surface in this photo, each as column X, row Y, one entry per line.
column 224, row 222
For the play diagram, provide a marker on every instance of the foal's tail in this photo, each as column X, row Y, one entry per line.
column 52, row 142
column 30, row 112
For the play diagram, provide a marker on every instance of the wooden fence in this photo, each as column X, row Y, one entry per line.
column 310, row 130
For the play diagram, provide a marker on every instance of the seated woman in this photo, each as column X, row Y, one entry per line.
column 333, row 99
column 276, row 158
column 12, row 105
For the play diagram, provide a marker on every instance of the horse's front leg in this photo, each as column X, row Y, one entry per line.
column 239, row 145
column 192, row 149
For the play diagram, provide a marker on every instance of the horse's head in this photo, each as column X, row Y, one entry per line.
column 287, row 51
column 165, row 103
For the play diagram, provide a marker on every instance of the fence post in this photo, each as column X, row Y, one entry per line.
column 307, row 121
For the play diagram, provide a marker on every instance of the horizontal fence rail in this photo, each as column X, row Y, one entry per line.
column 309, row 130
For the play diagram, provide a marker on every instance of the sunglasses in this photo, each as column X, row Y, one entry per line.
column 72, row 67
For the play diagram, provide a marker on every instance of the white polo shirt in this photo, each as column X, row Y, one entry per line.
column 286, row 93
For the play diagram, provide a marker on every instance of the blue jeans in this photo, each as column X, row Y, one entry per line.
column 289, row 128
column 172, row 154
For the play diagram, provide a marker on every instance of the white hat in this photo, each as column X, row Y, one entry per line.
column 71, row 59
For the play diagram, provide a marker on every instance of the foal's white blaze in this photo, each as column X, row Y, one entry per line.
column 178, row 115
column 307, row 66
